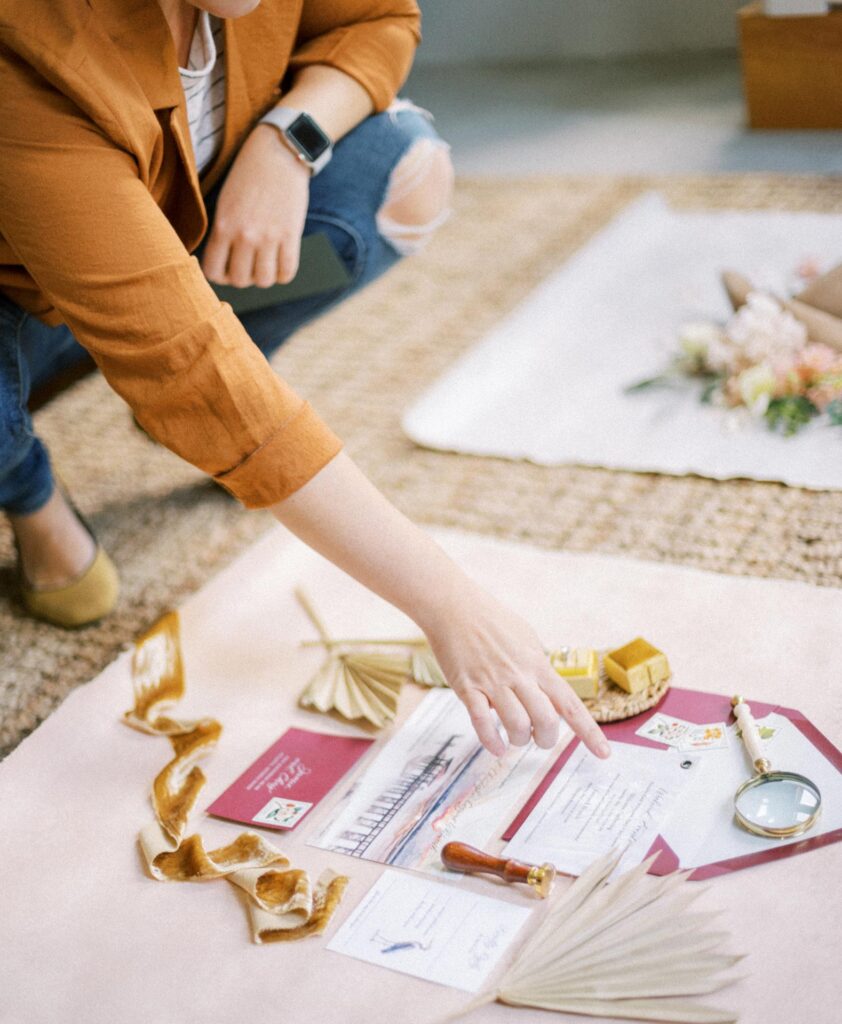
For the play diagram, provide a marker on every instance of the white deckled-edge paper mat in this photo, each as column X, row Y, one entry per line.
column 547, row 383
column 86, row 936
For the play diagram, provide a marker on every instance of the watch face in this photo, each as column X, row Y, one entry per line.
column 308, row 137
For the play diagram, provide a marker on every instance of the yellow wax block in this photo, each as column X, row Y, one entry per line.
column 637, row 665
column 583, row 686
column 579, row 666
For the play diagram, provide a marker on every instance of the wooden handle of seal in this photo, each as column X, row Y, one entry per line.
column 470, row 861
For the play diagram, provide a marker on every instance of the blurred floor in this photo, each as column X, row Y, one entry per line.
column 644, row 115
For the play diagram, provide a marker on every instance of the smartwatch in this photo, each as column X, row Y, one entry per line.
column 302, row 135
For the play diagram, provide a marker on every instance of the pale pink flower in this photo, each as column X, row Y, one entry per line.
column 818, row 358
column 762, row 353
column 787, row 377
column 827, row 387
column 722, row 355
column 808, row 269
column 762, row 331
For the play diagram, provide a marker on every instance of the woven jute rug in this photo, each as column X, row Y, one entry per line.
column 169, row 530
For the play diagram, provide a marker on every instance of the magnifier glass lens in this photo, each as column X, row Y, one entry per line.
column 778, row 803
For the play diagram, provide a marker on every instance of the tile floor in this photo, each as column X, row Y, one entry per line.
column 680, row 114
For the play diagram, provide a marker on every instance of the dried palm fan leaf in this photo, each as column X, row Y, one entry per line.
column 355, row 682
column 629, row 949
column 424, row 668
column 357, row 686
column 360, row 683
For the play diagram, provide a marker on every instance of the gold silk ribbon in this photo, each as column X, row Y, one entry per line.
column 283, row 904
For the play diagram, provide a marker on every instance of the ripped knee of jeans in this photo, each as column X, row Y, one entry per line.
column 418, row 196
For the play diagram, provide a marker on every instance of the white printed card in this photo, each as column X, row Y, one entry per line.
column 430, row 930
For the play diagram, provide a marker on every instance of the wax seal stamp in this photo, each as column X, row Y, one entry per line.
column 470, row 861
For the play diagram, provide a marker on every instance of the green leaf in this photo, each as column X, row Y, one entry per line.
column 663, row 380
column 789, row 414
column 713, row 384
column 834, row 412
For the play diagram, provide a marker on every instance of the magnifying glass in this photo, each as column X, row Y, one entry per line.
column 777, row 805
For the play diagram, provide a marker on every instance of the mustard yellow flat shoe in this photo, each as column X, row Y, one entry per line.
column 88, row 598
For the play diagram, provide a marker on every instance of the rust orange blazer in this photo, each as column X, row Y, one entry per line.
column 100, row 208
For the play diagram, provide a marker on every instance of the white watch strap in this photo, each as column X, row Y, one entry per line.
column 281, row 118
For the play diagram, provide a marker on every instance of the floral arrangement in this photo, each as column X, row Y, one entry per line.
column 760, row 360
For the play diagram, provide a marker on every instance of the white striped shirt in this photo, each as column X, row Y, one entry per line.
column 203, row 81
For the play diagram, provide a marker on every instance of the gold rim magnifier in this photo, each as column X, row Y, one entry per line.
column 777, row 805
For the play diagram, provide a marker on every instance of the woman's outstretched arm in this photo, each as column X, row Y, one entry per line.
column 490, row 656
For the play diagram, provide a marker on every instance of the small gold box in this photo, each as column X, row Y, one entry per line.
column 636, row 666
column 579, row 666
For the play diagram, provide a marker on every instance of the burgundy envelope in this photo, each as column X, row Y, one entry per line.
column 289, row 779
column 695, row 706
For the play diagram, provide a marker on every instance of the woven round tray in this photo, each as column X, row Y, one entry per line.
column 613, row 704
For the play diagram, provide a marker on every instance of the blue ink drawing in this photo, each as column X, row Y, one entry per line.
column 394, row 946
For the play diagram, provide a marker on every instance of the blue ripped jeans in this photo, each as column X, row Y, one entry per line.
column 344, row 200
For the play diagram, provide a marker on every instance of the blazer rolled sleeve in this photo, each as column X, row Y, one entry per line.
column 77, row 215
column 373, row 41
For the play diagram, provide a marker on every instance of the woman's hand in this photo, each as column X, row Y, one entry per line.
column 255, row 238
column 489, row 655
column 495, row 662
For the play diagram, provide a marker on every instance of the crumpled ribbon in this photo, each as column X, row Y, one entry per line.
column 282, row 902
